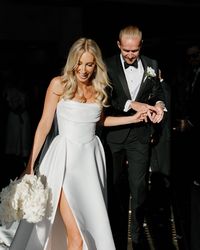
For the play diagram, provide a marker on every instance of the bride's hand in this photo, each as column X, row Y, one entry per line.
column 140, row 116
column 27, row 170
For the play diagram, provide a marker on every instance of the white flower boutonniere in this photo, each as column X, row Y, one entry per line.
column 150, row 73
column 24, row 198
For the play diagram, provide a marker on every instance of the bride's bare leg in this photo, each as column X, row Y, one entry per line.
column 74, row 239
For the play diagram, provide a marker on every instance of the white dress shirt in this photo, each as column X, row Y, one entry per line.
column 134, row 78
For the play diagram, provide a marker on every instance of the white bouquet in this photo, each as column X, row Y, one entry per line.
column 24, row 198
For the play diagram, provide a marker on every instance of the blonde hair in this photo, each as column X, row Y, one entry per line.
column 130, row 31
column 99, row 79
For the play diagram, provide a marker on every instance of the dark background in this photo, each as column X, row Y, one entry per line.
column 35, row 35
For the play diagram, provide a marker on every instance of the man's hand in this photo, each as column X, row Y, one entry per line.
column 154, row 113
column 157, row 116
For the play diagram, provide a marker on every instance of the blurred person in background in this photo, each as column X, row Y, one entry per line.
column 186, row 133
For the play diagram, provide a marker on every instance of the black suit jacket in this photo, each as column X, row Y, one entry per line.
column 150, row 92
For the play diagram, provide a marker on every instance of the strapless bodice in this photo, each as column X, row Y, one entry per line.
column 77, row 121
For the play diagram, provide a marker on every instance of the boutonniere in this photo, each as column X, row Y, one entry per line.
column 150, row 73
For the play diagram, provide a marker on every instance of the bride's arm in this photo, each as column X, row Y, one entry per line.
column 123, row 120
column 51, row 99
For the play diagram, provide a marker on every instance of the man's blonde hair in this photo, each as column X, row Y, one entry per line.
column 130, row 31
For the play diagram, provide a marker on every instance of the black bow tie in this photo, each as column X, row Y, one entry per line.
column 134, row 64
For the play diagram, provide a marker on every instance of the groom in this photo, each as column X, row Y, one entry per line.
column 135, row 86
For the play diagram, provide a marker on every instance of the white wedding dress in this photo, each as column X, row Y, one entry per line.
column 75, row 161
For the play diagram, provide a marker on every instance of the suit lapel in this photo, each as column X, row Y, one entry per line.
column 122, row 78
column 143, row 83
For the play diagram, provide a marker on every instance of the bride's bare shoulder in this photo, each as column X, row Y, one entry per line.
column 57, row 85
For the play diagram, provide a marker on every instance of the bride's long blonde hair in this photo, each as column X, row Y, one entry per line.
column 100, row 80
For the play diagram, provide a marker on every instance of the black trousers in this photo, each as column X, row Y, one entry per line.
column 128, row 165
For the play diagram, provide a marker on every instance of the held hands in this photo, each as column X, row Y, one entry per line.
column 157, row 116
column 154, row 113
column 140, row 116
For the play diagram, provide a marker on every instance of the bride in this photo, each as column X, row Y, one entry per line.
column 74, row 163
